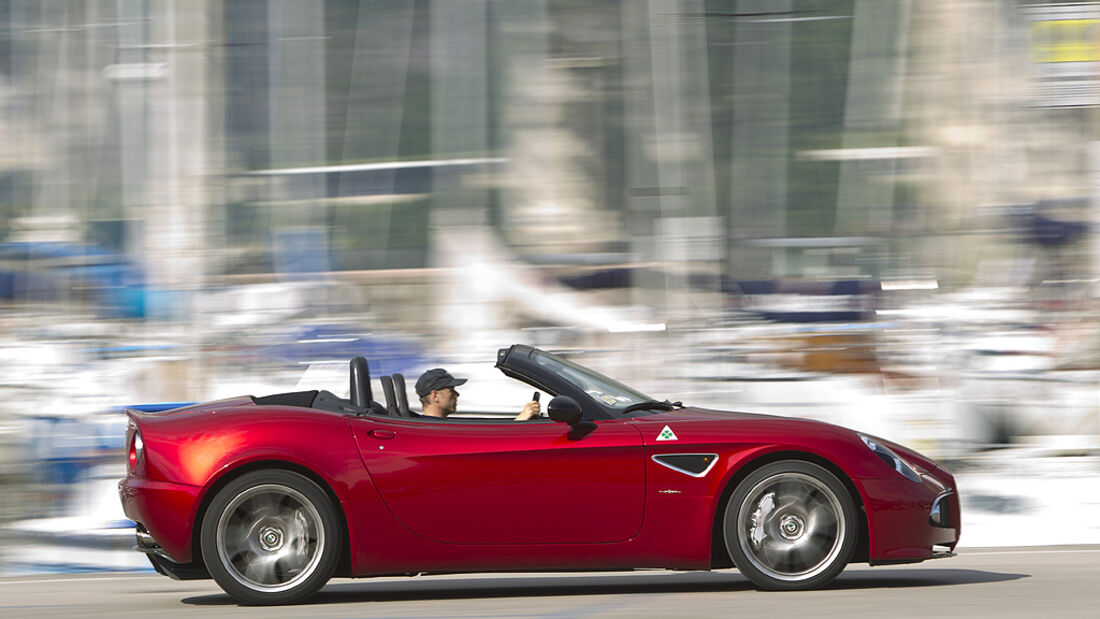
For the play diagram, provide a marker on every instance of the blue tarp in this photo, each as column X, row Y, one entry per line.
column 51, row 271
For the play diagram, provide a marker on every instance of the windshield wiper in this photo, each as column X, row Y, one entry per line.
column 651, row 405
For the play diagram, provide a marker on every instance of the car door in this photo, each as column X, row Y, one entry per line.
column 489, row 482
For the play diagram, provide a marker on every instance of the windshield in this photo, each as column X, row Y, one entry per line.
column 604, row 390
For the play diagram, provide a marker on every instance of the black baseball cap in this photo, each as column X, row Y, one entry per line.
column 436, row 378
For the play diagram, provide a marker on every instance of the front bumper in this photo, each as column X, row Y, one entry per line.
column 944, row 510
column 164, row 513
column 911, row 522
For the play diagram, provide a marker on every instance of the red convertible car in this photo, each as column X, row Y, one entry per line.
column 272, row 496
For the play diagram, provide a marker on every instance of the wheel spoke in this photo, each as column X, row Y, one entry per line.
column 236, row 534
column 787, row 503
column 242, row 557
column 804, row 556
column 822, row 517
column 775, row 554
column 261, row 570
column 280, row 570
column 266, row 504
column 790, row 489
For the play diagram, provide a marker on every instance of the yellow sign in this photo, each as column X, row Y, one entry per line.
column 1065, row 40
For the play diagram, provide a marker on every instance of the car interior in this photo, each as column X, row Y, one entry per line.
column 362, row 399
column 361, row 402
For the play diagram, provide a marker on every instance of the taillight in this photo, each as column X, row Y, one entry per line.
column 137, row 449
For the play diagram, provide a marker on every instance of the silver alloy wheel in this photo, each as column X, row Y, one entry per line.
column 792, row 526
column 270, row 538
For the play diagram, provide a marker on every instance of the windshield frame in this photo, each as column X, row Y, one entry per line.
column 599, row 396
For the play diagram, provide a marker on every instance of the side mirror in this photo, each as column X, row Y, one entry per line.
column 564, row 409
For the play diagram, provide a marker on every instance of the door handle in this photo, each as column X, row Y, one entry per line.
column 381, row 434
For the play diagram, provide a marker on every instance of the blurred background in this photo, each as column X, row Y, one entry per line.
column 878, row 213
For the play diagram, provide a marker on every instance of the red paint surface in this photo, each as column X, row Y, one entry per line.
column 509, row 483
column 453, row 496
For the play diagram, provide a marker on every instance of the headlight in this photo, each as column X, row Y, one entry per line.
column 889, row 457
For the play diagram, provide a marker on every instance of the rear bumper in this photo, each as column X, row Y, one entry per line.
column 164, row 513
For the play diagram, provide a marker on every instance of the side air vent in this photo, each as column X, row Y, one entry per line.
column 695, row 465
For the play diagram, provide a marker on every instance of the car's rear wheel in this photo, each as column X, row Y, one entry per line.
column 271, row 537
column 790, row 525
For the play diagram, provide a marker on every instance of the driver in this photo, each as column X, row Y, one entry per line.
column 436, row 389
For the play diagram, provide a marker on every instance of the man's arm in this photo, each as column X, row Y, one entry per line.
column 530, row 411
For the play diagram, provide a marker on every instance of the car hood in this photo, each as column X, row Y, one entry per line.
column 701, row 427
column 729, row 425
column 694, row 413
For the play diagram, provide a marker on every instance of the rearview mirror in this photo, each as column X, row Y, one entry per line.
column 564, row 409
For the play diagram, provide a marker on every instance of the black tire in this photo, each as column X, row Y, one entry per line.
column 790, row 525
column 271, row 537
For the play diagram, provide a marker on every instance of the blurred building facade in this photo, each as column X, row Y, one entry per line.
column 580, row 126
column 216, row 142
column 761, row 138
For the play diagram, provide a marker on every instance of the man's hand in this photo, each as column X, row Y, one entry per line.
column 530, row 411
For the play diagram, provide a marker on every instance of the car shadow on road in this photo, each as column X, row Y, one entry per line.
column 460, row 588
column 880, row 578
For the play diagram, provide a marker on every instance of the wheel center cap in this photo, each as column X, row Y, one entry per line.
column 791, row 527
column 271, row 539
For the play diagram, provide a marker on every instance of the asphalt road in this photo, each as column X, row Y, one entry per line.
column 1023, row 582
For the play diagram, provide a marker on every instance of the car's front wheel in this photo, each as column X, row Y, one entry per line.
column 271, row 537
column 790, row 525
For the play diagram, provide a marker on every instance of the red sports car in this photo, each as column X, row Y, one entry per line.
column 271, row 496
